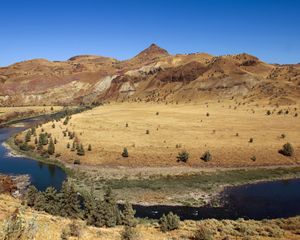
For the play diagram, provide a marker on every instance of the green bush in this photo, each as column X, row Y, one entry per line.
column 287, row 150
column 125, row 153
column 129, row 233
column 206, row 156
column 182, row 156
column 77, row 162
column 203, row 233
column 169, row 222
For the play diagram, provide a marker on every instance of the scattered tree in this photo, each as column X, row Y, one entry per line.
column 169, row 222
column 287, row 150
column 206, row 156
column 182, row 156
column 125, row 153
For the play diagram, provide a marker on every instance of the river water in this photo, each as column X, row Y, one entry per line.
column 275, row 199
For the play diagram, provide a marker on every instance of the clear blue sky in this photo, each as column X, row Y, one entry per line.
column 59, row 29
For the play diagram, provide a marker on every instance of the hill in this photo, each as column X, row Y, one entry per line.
column 152, row 75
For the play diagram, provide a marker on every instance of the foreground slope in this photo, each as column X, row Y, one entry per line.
column 40, row 226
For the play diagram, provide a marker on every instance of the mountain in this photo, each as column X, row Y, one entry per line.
column 152, row 75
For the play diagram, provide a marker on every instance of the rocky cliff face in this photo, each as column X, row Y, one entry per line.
column 152, row 75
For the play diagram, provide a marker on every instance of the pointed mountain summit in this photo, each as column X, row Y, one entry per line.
column 153, row 51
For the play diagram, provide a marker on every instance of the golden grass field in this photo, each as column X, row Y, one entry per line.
column 41, row 226
column 8, row 113
column 186, row 125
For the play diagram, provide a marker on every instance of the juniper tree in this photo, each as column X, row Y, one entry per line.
column 43, row 139
column 35, row 141
column 169, row 222
column 111, row 211
column 33, row 131
column 125, row 153
column 287, row 150
column 182, row 156
column 68, row 145
column 51, row 147
column 28, row 136
column 31, row 195
column 51, row 201
column 128, row 215
column 69, row 201
column 55, row 141
column 80, row 150
column 90, row 147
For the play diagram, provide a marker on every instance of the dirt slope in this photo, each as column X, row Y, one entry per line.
column 152, row 75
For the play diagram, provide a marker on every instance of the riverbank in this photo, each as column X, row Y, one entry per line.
column 186, row 187
column 173, row 185
column 49, row 225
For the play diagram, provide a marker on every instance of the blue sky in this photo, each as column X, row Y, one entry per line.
column 59, row 29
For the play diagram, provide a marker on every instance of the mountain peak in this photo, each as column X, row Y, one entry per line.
column 153, row 51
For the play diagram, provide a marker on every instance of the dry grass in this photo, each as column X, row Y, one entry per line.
column 9, row 113
column 186, row 126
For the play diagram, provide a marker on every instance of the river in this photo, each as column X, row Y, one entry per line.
column 277, row 199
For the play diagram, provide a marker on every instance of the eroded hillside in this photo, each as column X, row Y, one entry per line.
column 152, row 75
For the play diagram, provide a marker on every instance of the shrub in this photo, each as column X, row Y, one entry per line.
column 51, row 147
column 80, row 150
column 53, row 125
column 251, row 140
column 147, row 131
column 207, row 114
column 253, row 158
column 74, row 230
column 24, row 146
column 287, row 150
column 68, row 145
column 129, row 233
column 169, row 222
column 282, row 135
column 268, row 112
column 206, row 156
column 76, row 162
column 64, row 235
column 182, row 156
column 125, row 153
column 203, row 233
column 90, row 147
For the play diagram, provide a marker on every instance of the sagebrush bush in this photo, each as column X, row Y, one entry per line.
column 287, row 150
column 182, row 156
column 206, row 156
column 169, row 222
column 203, row 233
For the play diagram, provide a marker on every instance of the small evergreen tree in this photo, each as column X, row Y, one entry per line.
column 69, row 202
column 125, row 153
column 169, row 222
column 206, row 156
column 287, row 150
column 68, row 145
column 182, row 156
column 51, row 147
column 28, row 136
column 128, row 215
column 80, row 150
column 31, row 195
column 90, row 147
column 51, row 201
